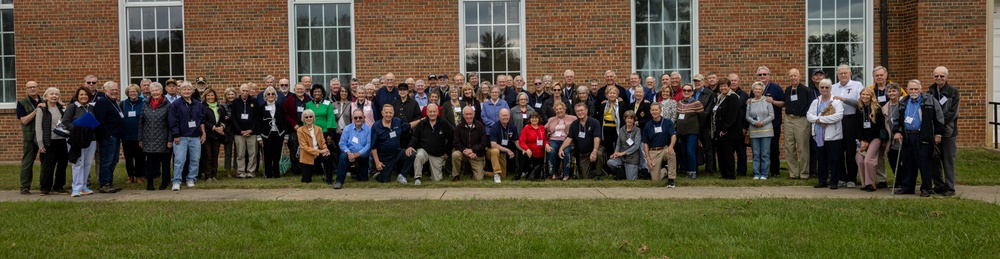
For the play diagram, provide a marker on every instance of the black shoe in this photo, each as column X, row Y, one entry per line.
column 948, row 193
column 163, row 185
column 925, row 194
column 454, row 179
column 149, row 186
column 327, row 181
column 25, row 191
column 105, row 189
column 45, row 192
column 115, row 189
column 881, row 185
column 516, row 177
column 61, row 191
column 597, row 179
column 833, row 187
column 670, row 183
column 822, row 185
column 902, row 191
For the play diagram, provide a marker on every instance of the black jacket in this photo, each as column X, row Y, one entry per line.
column 211, row 121
column 435, row 140
column 240, row 107
column 930, row 111
column 728, row 118
column 474, row 138
column 949, row 107
column 111, row 117
column 875, row 128
column 642, row 114
column 264, row 120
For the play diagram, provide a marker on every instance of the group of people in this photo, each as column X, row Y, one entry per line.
column 532, row 131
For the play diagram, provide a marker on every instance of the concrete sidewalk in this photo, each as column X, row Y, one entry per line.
column 989, row 194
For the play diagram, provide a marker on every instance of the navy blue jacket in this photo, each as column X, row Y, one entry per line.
column 132, row 112
column 110, row 115
column 181, row 114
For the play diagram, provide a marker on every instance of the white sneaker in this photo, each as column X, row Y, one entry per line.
column 850, row 185
column 496, row 178
column 416, row 182
column 842, row 184
column 401, row 179
column 177, row 187
column 764, row 178
column 756, row 177
column 190, row 183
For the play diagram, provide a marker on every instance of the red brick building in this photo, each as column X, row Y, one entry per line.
column 58, row 42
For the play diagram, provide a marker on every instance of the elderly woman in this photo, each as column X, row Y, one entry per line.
column 668, row 106
column 453, row 107
column 689, row 112
column 82, row 142
column 641, row 107
column 154, row 136
column 215, row 133
column 273, row 131
column 227, row 144
column 870, row 137
column 52, row 146
column 532, row 142
column 627, row 153
column 365, row 104
column 187, row 127
column 325, row 118
column 826, row 114
column 313, row 151
column 583, row 96
column 727, row 130
column 520, row 112
column 759, row 116
column 558, row 127
column 558, row 96
column 891, row 112
column 134, row 158
column 610, row 115
column 492, row 107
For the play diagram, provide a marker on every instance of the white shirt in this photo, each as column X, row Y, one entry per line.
column 850, row 92
column 835, row 129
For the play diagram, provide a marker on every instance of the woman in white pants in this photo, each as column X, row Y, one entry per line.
column 82, row 143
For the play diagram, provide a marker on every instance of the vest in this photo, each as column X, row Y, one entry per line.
column 47, row 125
column 28, row 131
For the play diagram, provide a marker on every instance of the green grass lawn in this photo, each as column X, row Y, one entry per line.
column 975, row 167
column 728, row 228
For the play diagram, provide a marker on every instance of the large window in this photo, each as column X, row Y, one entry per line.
column 323, row 40
column 838, row 32
column 154, row 40
column 7, row 78
column 665, row 35
column 492, row 38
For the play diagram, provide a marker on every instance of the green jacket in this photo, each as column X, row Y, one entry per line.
column 27, row 130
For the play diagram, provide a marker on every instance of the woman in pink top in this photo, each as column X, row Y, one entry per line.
column 364, row 102
column 558, row 129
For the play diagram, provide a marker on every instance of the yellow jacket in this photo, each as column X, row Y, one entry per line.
column 902, row 88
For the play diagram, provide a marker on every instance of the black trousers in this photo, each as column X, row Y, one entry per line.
column 893, row 160
column 135, row 159
column 209, row 165
column 322, row 164
column 610, row 139
column 54, row 162
column 830, row 163
column 775, row 167
column 725, row 150
column 741, row 158
column 293, row 147
column 813, row 162
column 272, row 154
column 533, row 166
column 916, row 156
column 158, row 165
column 707, row 148
column 849, row 167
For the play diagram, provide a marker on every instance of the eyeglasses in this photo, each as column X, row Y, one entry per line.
column 762, row 74
column 557, row 89
column 309, row 117
column 687, row 90
column 538, row 83
column 271, row 94
column 283, row 85
column 824, row 87
column 91, row 83
column 358, row 117
column 939, row 76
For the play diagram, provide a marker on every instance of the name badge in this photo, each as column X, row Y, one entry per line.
column 355, row 140
column 244, row 116
column 581, row 135
column 120, row 115
column 881, row 99
column 557, row 134
column 943, row 100
column 795, row 98
column 657, row 129
column 392, row 134
column 716, row 108
column 300, row 109
column 629, row 142
column 131, row 113
column 538, row 105
column 473, row 108
column 503, row 142
column 908, row 119
column 538, row 142
column 458, row 110
column 191, row 124
column 268, row 108
column 524, row 115
column 681, row 116
column 868, row 124
column 326, row 102
column 368, row 108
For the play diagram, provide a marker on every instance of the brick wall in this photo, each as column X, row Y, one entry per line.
column 414, row 41
column 563, row 35
column 732, row 41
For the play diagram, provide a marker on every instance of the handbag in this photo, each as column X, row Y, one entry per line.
column 60, row 130
column 284, row 163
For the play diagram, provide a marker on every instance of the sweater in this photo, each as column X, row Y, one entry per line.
column 132, row 110
column 531, row 138
column 760, row 111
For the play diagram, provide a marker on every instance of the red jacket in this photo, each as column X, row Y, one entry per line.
column 529, row 140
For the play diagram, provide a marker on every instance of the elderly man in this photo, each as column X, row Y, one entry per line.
column 609, row 81
column 797, row 128
column 675, row 85
column 26, row 109
column 538, row 98
column 848, row 91
column 387, row 151
column 707, row 98
column 244, row 120
column 816, row 76
column 741, row 147
column 923, row 123
column 569, row 82
column 880, row 74
column 409, row 82
column 776, row 97
column 172, row 92
column 108, row 134
column 90, row 81
column 712, row 81
column 355, row 146
column 658, row 139
column 431, row 142
column 334, row 92
column 420, row 94
column 459, row 80
column 635, row 81
column 665, row 81
column 387, row 94
column 507, row 92
column 586, row 135
column 470, row 142
column 293, row 106
column 355, row 84
column 947, row 96
column 144, row 89
column 474, row 81
column 200, row 86
column 503, row 143
column 306, row 81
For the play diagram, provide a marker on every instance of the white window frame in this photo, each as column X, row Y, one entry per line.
column 293, row 41
column 123, row 35
column 461, row 37
column 869, row 44
column 695, row 60
column 12, row 105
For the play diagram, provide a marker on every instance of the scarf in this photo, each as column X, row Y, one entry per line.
column 214, row 106
column 820, row 130
column 155, row 102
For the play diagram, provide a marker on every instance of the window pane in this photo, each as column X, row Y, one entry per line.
column 857, row 8
column 657, row 34
column 8, row 68
column 665, row 56
column 163, row 64
column 829, row 6
column 316, row 15
column 149, row 64
column 301, row 15
column 162, row 41
column 343, row 15
column 176, row 17
column 331, row 59
column 135, row 65
column 149, row 42
column 346, row 64
column 316, row 36
column 470, row 13
column 683, row 10
column 330, row 15
column 657, row 12
column 684, row 57
column 162, row 18
column 134, row 18
column 472, row 60
column 471, row 37
column 641, row 11
column 486, row 36
column 857, row 30
column 843, row 34
column 330, row 38
column 829, row 30
column 829, row 55
column 684, row 36
column 513, row 13
column 10, row 91
column 642, row 34
column 177, row 65
column 641, row 57
column 814, row 7
column 857, row 54
column 135, row 42
column 148, row 18
column 815, row 29
column 484, row 13
column 8, row 44
column 304, row 61
column 318, row 65
column 814, row 60
column 514, row 36
column 177, row 41
column 843, row 9
column 498, row 13
column 302, row 39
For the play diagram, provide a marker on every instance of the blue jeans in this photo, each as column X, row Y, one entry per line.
column 553, row 157
column 109, row 148
column 361, row 166
column 687, row 161
column 189, row 150
column 761, row 156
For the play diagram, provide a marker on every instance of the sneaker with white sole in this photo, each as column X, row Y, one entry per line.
column 756, row 177
column 850, row 185
column 496, row 178
column 670, row 183
column 401, row 179
column 763, row 177
column 190, row 183
column 842, row 184
column 177, row 187
column 416, row 182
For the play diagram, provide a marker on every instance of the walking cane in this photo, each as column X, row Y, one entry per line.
column 895, row 173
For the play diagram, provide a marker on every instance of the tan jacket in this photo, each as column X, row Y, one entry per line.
column 308, row 154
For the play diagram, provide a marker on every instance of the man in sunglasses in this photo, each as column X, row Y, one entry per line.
column 90, row 81
column 776, row 97
column 355, row 145
column 947, row 96
column 284, row 88
column 537, row 99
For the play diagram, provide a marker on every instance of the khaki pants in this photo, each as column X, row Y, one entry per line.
column 436, row 164
column 657, row 157
column 797, row 146
column 456, row 164
column 499, row 161
column 246, row 147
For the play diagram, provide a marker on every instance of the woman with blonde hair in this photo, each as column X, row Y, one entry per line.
column 225, row 100
column 453, row 107
column 134, row 157
column 870, row 137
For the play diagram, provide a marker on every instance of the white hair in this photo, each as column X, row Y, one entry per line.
column 109, row 84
